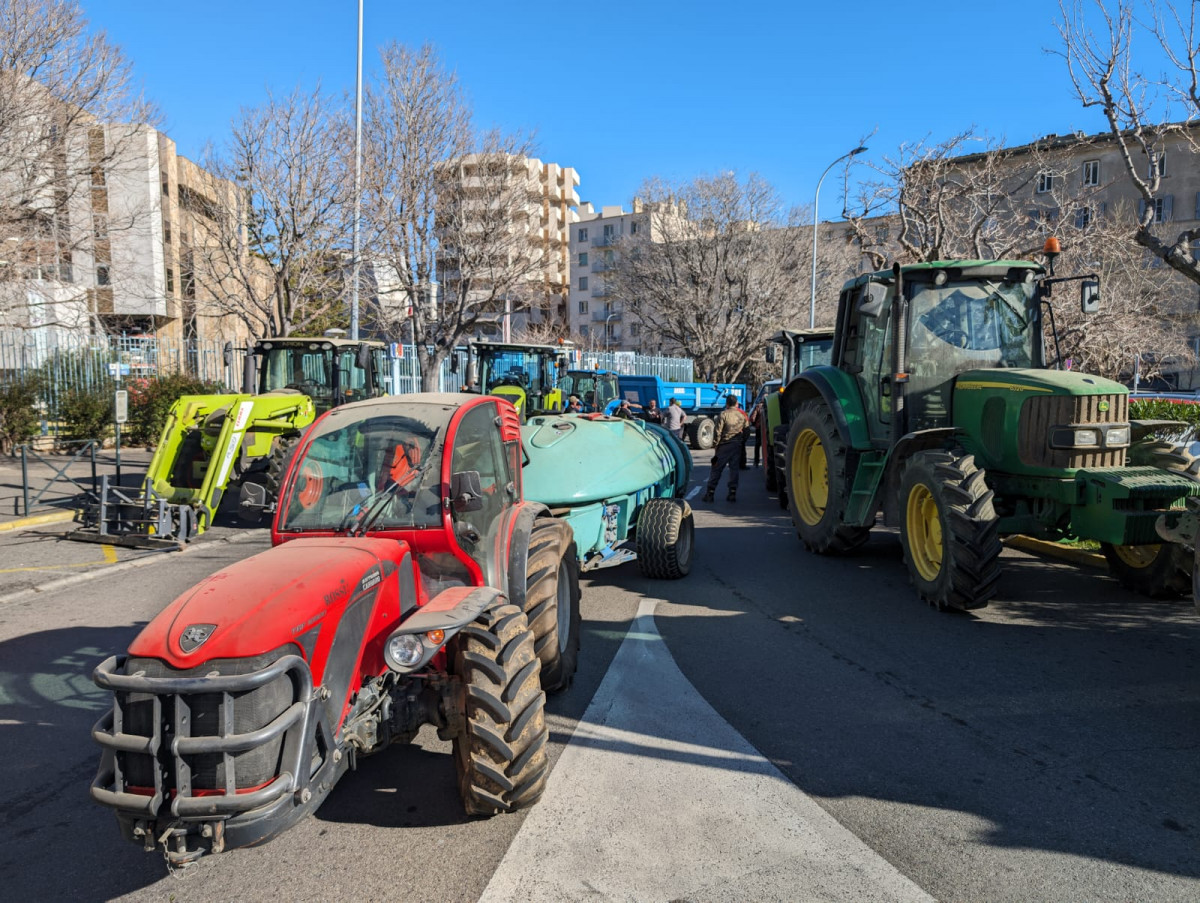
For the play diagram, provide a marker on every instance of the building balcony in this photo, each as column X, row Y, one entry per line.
column 601, row 316
column 604, row 241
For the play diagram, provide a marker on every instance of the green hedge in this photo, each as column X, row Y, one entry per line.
column 150, row 401
column 85, row 413
column 1161, row 409
column 20, row 420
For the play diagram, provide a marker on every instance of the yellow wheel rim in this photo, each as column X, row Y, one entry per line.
column 924, row 531
column 1137, row 556
column 810, row 477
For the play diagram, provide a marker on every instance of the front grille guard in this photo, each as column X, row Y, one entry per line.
column 295, row 723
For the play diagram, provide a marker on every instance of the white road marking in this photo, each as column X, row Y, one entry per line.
column 657, row 798
column 695, row 492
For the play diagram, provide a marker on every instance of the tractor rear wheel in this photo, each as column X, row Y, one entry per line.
column 279, row 458
column 949, row 529
column 500, row 755
column 779, row 462
column 552, row 601
column 1158, row 571
column 816, row 482
column 666, row 532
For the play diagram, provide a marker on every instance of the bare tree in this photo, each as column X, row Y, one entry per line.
column 721, row 268
column 1098, row 47
column 69, row 117
column 291, row 215
column 452, row 212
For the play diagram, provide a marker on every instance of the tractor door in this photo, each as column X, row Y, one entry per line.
column 479, row 447
column 868, row 353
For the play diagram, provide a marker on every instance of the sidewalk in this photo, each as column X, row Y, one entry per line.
column 54, row 498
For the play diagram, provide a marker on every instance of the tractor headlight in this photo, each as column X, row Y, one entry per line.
column 1116, row 437
column 405, row 650
column 1085, row 438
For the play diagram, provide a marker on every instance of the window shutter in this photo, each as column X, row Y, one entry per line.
column 1168, row 206
column 1141, row 209
column 1080, row 217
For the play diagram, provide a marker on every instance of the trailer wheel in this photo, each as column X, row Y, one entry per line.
column 1158, row 571
column 666, row 533
column 552, row 601
column 949, row 529
column 816, row 482
column 701, row 432
column 500, row 755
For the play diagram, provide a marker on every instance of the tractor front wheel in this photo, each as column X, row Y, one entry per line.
column 665, row 538
column 779, row 460
column 949, row 529
column 552, row 601
column 1157, row 571
column 816, row 482
column 500, row 755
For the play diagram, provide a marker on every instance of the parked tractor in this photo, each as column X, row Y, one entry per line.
column 619, row 484
column 939, row 412
column 409, row 583
column 212, row 442
column 796, row 350
column 596, row 390
column 527, row 375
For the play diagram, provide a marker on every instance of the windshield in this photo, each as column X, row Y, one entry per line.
column 974, row 325
column 594, row 391
column 511, row 368
column 813, row 353
column 307, row 370
column 372, row 472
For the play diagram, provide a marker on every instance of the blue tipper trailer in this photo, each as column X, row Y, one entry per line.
column 701, row 401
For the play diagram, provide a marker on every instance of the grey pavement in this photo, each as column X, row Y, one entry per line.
column 56, row 482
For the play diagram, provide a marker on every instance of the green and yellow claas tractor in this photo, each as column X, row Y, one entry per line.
column 527, row 375
column 939, row 412
column 211, row 443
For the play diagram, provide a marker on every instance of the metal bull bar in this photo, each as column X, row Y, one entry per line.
column 110, row 788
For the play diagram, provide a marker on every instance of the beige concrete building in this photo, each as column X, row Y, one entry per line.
column 539, row 201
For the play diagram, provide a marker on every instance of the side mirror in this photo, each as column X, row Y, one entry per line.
column 453, row 362
column 472, row 377
column 227, row 354
column 466, row 492
column 772, row 353
column 1089, row 296
column 363, row 358
column 871, row 298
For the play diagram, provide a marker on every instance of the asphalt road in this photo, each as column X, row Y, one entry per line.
column 776, row 726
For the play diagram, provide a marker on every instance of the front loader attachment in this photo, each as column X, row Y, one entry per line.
column 208, row 442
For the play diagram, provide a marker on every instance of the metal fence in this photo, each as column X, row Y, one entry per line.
column 69, row 362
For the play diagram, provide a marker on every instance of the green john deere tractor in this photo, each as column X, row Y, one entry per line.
column 796, row 350
column 527, row 375
column 938, row 411
column 212, row 442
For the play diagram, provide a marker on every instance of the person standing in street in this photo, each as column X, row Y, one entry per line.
column 730, row 439
column 674, row 418
column 652, row 414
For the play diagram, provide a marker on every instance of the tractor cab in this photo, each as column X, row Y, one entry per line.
column 331, row 371
column 595, row 389
column 527, row 375
column 799, row 349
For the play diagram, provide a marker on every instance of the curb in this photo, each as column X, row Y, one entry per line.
column 147, row 559
column 37, row 520
column 1055, row 550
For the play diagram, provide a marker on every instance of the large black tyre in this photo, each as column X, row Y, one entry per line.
column 500, row 755
column 768, row 453
column 552, row 601
column 817, row 486
column 779, row 461
column 949, row 529
column 666, row 533
column 701, row 432
column 283, row 449
column 1162, row 571
column 1156, row 571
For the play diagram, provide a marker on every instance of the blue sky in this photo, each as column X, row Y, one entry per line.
column 624, row 90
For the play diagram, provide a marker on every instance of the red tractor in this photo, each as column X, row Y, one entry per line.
column 408, row 583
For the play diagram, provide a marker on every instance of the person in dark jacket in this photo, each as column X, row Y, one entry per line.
column 730, row 438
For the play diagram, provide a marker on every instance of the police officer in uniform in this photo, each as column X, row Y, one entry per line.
column 732, row 425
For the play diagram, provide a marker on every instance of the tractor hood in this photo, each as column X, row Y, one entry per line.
column 1049, row 382
column 267, row 600
column 574, row 459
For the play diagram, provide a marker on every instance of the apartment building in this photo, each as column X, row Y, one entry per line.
column 537, row 202
column 111, row 248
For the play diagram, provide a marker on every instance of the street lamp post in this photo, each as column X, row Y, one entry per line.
column 812, row 303
column 356, row 252
column 608, row 336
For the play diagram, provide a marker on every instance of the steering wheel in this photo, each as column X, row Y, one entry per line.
column 308, row 386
